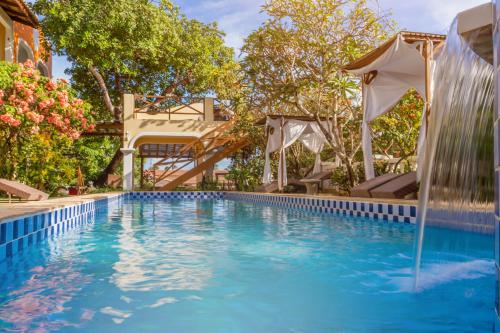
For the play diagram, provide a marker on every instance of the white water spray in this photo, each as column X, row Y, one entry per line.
column 458, row 174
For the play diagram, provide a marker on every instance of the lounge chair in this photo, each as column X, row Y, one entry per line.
column 273, row 186
column 364, row 189
column 398, row 188
column 20, row 190
column 314, row 181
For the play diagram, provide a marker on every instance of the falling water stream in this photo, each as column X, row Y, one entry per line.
column 458, row 173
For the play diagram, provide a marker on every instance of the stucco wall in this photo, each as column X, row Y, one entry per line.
column 28, row 35
column 7, row 39
column 140, row 128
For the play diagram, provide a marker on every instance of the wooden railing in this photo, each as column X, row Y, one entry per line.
column 212, row 143
column 207, row 108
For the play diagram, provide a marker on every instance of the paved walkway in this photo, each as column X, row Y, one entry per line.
column 18, row 209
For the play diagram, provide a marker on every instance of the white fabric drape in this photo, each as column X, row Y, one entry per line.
column 400, row 68
column 282, row 133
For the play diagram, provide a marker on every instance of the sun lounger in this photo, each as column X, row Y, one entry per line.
column 20, row 190
column 364, row 189
column 273, row 186
column 398, row 188
column 314, row 181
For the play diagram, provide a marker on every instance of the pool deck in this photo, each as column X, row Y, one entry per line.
column 9, row 211
column 14, row 210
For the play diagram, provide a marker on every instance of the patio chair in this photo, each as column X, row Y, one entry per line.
column 22, row 191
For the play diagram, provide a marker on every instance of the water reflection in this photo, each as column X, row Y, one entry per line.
column 43, row 296
column 161, row 256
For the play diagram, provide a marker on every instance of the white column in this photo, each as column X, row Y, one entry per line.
column 128, row 168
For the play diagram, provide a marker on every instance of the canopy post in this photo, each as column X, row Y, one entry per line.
column 142, row 173
column 428, row 77
column 282, row 159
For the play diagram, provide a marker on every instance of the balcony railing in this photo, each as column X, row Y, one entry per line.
column 200, row 108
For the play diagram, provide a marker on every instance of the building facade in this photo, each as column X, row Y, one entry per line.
column 20, row 37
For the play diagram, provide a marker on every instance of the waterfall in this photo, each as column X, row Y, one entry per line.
column 458, row 171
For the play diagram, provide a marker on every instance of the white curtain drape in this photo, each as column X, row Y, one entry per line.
column 282, row 133
column 400, row 68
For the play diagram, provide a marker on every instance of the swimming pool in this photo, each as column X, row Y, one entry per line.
column 231, row 266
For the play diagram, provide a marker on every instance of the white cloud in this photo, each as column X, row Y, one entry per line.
column 427, row 15
column 237, row 18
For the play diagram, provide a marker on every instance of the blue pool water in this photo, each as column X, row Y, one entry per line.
column 225, row 266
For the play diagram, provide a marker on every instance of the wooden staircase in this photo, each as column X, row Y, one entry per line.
column 204, row 153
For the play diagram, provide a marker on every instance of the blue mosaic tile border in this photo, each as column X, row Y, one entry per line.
column 378, row 211
column 175, row 195
column 19, row 233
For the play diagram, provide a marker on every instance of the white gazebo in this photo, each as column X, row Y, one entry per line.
column 282, row 132
column 405, row 61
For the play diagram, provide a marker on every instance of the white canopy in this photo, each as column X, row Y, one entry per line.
column 282, row 133
column 400, row 67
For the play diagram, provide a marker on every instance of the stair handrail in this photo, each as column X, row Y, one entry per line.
column 212, row 135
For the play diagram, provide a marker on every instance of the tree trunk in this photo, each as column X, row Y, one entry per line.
column 351, row 177
column 113, row 164
column 114, row 110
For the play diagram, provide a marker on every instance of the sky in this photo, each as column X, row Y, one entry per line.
column 238, row 18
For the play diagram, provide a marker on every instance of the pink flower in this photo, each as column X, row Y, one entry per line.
column 46, row 103
column 19, row 85
column 30, row 99
column 30, row 72
column 8, row 119
column 51, row 85
column 77, row 102
column 29, row 64
column 56, row 120
column 35, row 130
column 74, row 135
column 43, row 104
column 62, row 96
column 35, row 117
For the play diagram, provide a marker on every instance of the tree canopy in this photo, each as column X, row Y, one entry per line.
column 136, row 46
column 293, row 64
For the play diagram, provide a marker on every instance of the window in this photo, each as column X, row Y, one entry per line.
column 24, row 52
column 42, row 68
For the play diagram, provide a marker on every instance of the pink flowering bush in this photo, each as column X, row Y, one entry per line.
column 39, row 120
column 33, row 104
